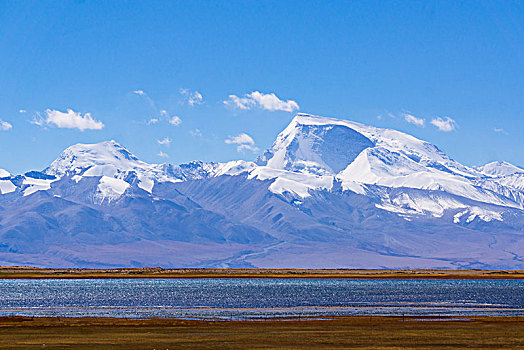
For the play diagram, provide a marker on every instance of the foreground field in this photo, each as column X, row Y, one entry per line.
column 157, row 272
column 350, row 332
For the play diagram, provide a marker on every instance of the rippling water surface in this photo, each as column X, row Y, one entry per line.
column 259, row 298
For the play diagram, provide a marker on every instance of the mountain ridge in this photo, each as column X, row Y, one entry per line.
column 327, row 193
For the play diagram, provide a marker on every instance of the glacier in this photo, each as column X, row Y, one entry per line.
column 329, row 193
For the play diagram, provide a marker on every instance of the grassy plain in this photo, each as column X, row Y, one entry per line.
column 344, row 332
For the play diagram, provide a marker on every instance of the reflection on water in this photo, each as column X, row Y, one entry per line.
column 259, row 298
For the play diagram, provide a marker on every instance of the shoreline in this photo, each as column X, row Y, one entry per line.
column 249, row 273
column 166, row 321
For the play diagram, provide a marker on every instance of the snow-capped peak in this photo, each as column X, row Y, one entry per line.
column 499, row 169
column 313, row 152
column 315, row 145
column 323, row 145
column 104, row 158
column 118, row 168
column 110, row 161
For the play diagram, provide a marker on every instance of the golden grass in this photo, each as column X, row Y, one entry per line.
column 152, row 272
column 343, row 332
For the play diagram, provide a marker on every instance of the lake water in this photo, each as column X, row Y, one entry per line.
column 259, row 298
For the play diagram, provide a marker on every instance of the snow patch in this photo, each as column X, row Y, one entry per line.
column 233, row 168
column 146, row 184
column 4, row 173
column 6, row 186
column 483, row 214
column 474, row 212
column 34, row 185
column 110, row 188
column 297, row 183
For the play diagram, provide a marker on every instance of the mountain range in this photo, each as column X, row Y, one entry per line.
column 328, row 193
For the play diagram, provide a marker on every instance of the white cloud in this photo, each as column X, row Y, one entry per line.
column 174, row 120
column 244, row 142
column 240, row 102
column 4, row 126
column 445, row 124
column 242, row 148
column 192, row 97
column 68, row 120
column 240, row 139
column 162, row 154
column 165, row 141
column 195, row 133
column 413, row 120
column 269, row 102
column 272, row 103
column 140, row 92
column 500, row 131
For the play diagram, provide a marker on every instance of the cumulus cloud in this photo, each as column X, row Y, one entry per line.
column 174, row 120
column 413, row 120
column 4, row 126
column 192, row 97
column 269, row 102
column 240, row 139
column 445, row 124
column 240, row 102
column 164, row 116
column 162, row 154
column 166, row 141
column 242, row 148
column 68, row 120
column 244, row 142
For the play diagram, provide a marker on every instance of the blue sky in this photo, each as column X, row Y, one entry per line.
column 126, row 69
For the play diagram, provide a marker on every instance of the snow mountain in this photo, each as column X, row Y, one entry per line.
column 327, row 193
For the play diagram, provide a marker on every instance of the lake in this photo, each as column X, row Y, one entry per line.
column 259, row 298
